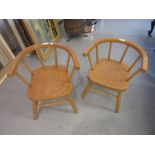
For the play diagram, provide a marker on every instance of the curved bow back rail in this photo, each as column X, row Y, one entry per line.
column 36, row 49
column 113, row 74
column 47, row 82
column 128, row 44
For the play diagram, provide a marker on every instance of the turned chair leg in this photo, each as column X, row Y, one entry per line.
column 34, row 110
column 72, row 103
column 86, row 89
column 118, row 102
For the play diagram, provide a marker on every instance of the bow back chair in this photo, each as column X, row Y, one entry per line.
column 110, row 73
column 47, row 82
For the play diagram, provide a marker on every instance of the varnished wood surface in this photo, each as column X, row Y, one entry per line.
column 144, row 65
column 110, row 74
column 49, row 82
column 35, row 48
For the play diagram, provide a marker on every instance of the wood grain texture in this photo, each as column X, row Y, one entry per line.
column 110, row 74
column 27, row 50
column 113, row 74
column 34, row 110
column 47, row 82
column 109, row 52
column 23, row 79
column 124, row 54
column 118, row 102
column 143, row 54
column 29, row 69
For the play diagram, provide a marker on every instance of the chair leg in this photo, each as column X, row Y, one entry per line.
column 118, row 102
column 72, row 103
column 86, row 89
column 34, row 110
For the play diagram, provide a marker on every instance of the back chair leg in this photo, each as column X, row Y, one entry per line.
column 34, row 110
column 86, row 89
column 118, row 102
column 72, row 103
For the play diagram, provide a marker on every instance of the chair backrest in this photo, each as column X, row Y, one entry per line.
column 36, row 48
column 141, row 54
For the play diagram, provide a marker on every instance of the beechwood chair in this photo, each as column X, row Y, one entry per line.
column 48, row 82
column 113, row 74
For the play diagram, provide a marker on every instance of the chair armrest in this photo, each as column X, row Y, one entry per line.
column 17, row 60
column 89, row 49
column 144, row 61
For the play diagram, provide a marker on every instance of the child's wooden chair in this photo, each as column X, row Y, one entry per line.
column 113, row 74
column 48, row 82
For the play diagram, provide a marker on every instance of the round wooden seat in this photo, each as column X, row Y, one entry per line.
column 110, row 74
column 49, row 82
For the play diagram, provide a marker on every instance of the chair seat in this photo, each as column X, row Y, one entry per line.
column 49, row 82
column 110, row 74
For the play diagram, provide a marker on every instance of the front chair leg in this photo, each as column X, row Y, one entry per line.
column 71, row 101
column 86, row 89
column 34, row 110
column 118, row 102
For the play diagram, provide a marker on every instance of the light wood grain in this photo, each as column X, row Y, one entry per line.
column 90, row 62
column 113, row 74
column 89, row 83
column 134, row 74
column 71, row 101
column 124, row 54
column 22, row 79
column 109, row 52
column 72, row 72
column 144, row 65
column 47, row 105
column 97, row 56
column 55, row 56
column 27, row 67
column 118, row 102
column 27, row 50
column 34, row 110
column 47, row 82
column 134, row 63
column 101, row 92
column 110, row 74
column 67, row 64
column 39, row 57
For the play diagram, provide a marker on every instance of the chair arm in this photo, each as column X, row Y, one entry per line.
column 144, row 62
column 89, row 49
column 18, row 59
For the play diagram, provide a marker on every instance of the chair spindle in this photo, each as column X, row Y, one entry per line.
column 39, row 57
column 90, row 62
column 27, row 67
column 132, row 75
column 22, row 78
column 109, row 52
column 55, row 56
column 67, row 64
column 133, row 64
column 124, row 54
column 97, row 57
